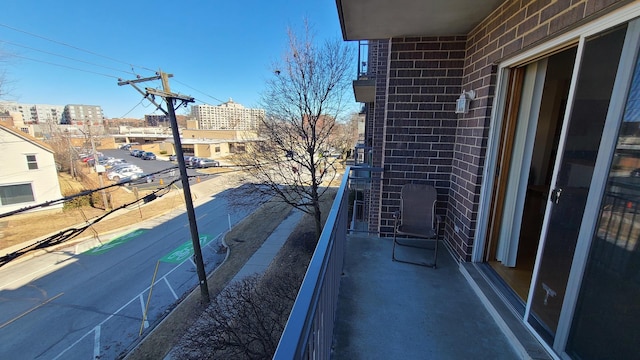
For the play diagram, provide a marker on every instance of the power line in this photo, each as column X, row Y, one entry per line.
column 70, row 233
column 194, row 89
column 73, row 47
column 66, row 66
column 133, row 108
column 65, row 57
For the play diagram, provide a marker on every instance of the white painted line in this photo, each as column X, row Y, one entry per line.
column 198, row 218
column 170, row 288
column 96, row 343
column 146, row 323
column 139, row 296
column 192, row 262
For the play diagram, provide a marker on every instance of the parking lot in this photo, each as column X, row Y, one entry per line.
column 152, row 166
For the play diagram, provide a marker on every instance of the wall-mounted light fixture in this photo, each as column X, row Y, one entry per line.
column 462, row 104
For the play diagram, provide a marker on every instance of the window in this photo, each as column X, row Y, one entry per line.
column 32, row 163
column 16, row 194
column 217, row 149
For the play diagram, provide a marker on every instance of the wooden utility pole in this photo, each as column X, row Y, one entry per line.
column 170, row 99
column 95, row 167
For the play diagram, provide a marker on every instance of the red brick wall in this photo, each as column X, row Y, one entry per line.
column 378, row 67
column 515, row 26
column 416, row 135
column 424, row 80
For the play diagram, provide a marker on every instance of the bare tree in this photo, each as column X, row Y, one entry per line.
column 302, row 100
column 5, row 83
column 246, row 320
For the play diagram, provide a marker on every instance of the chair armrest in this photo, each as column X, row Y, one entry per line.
column 396, row 219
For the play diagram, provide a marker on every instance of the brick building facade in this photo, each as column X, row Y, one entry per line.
column 554, row 99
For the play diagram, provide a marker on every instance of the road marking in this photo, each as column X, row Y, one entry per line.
column 146, row 322
column 97, row 328
column 96, row 342
column 185, row 250
column 114, row 242
column 198, row 218
column 30, row 311
column 170, row 288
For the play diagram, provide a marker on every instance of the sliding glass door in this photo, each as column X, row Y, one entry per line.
column 574, row 168
column 556, row 144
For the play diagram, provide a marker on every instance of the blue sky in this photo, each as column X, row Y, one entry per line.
column 215, row 50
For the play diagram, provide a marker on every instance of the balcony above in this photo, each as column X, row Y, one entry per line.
column 364, row 89
column 383, row 19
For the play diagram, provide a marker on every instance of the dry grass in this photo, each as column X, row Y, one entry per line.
column 20, row 229
column 243, row 240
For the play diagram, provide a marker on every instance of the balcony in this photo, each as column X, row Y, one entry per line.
column 383, row 19
column 364, row 87
column 356, row 303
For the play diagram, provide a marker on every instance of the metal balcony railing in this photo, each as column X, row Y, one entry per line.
column 363, row 57
column 309, row 330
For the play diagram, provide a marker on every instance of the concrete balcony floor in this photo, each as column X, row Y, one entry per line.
column 393, row 310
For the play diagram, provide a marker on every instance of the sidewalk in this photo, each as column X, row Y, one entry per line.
column 263, row 257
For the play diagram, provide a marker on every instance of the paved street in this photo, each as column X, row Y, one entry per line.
column 79, row 303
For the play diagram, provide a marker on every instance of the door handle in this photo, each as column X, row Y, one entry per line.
column 555, row 195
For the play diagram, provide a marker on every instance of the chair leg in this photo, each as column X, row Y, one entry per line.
column 393, row 250
column 435, row 254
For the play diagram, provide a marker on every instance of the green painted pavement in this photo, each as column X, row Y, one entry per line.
column 184, row 251
column 115, row 242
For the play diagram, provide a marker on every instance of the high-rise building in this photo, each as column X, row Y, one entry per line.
column 82, row 114
column 227, row 116
column 35, row 113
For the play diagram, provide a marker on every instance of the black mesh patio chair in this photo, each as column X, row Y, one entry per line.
column 417, row 220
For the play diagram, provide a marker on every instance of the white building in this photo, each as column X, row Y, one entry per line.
column 227, row 116
column 35, row 113
column 29, row 175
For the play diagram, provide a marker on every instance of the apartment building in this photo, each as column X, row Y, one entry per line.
column 524, row 115
column 81, row 115
column 35, row 113
column 226, row 116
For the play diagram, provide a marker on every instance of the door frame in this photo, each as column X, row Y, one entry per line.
column 616, row 17
column 606, row 150
column 607, row 146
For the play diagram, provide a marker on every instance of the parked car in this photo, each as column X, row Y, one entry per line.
column 88, row 157
column 113, row 162
column 148, row 155
column 101, row 160
column 205, row 163
column 119, row 167
column 122, row 174
column 138, row 178
column 192, row 162
column 136, row 152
